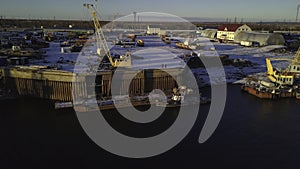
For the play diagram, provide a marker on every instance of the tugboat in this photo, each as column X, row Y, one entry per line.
column 179, row 98
column 176, row 98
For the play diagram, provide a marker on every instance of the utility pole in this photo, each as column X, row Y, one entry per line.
column 134, row 15
column 134, row 20
column 298, row 7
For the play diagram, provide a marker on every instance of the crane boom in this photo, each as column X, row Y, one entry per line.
column 297, row 57
column 270, row 70
column 102, row 43
column 98, row 30
column 279, row 77
column 294, row 67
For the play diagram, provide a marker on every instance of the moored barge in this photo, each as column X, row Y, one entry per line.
column 265, row 93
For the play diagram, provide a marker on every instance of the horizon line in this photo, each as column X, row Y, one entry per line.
column 190, row 19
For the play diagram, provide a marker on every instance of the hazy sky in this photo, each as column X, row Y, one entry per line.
column 73, row 9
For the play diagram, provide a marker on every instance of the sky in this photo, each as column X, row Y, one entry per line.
column 280, row 10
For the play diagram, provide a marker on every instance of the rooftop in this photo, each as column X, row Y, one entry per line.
column 230, row 27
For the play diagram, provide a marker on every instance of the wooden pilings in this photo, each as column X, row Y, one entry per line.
column 45, row 89
column 64, row 86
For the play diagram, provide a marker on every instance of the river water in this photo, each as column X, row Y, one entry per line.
column 253, row 133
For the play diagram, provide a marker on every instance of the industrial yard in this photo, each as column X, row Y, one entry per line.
column 31, row 56
column 150, row 89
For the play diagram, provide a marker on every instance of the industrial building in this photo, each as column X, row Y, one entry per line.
column 152, row 30
column 229, row 32
column 259, row 39
column 209, row 33
column 155, row 30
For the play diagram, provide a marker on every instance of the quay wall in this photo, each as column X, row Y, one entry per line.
column 63, row 86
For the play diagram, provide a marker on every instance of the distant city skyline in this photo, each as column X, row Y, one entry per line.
column 230, row 10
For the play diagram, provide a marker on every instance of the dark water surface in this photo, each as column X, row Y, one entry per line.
column 253, row 133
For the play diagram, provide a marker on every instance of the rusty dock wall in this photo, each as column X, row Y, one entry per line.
column 37, row 82
column 63, row 86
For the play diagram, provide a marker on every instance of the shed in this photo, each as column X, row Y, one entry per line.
column 209, row 33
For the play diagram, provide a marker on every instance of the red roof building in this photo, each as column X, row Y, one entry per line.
column 229, row 31
column 230, row 27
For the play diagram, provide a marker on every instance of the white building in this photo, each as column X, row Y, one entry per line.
column 229, row 32
column 153, row 30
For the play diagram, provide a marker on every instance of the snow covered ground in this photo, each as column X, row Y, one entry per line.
column 156, row 55
column 256, row 55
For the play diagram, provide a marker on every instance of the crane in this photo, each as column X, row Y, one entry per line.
column 279, row 77
column 297, row 56
column 123, row 61
column 287, row 76
column 294, row 67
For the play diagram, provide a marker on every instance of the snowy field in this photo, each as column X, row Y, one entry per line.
column 156, row 55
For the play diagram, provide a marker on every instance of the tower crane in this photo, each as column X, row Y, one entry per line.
column 123, row 61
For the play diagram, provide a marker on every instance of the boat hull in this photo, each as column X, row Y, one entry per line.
column 267, row 95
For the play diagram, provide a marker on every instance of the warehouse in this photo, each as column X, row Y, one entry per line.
column 259, row 39
column 209, row 33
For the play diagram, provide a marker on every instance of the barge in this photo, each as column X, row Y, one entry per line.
column 266, row 93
